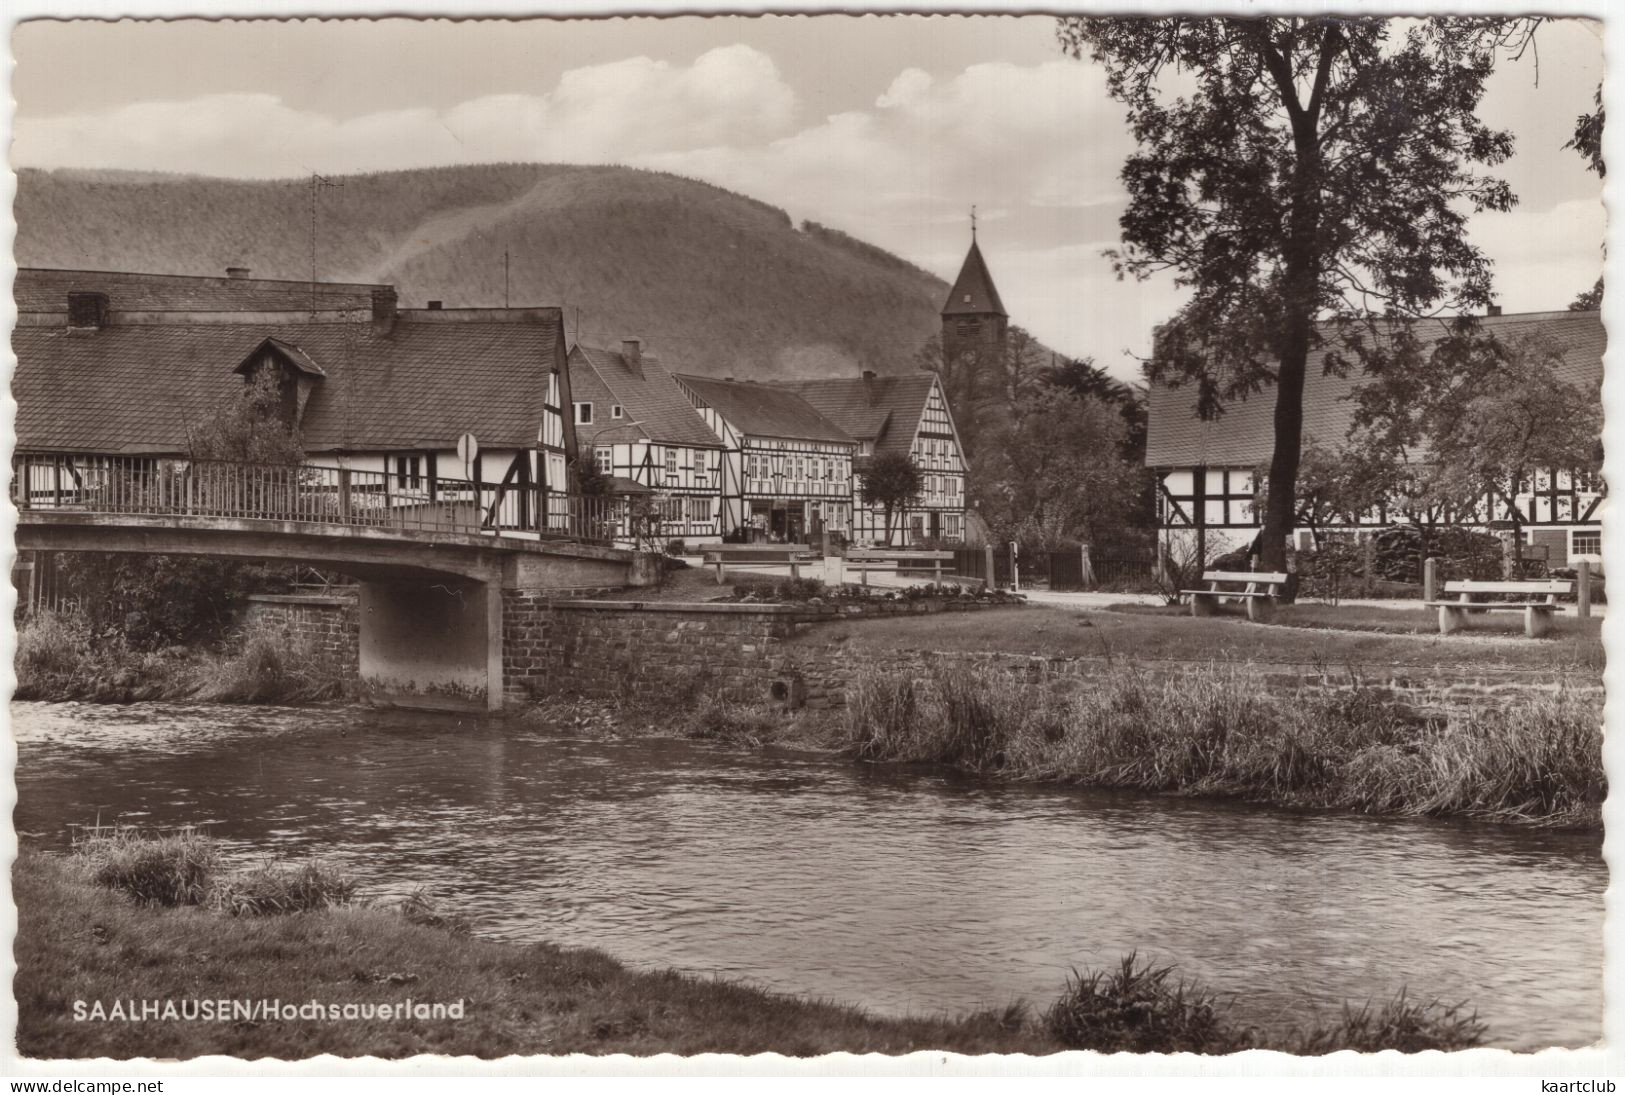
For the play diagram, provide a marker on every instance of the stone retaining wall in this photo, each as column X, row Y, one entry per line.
column 824, row 671
column 655, row 650
column 328, row 622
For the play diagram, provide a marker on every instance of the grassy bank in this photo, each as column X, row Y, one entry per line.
column 80, row 940
column 1302, row 634
column 58, row 658
column 1532, row 759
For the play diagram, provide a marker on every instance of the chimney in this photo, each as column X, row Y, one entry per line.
column 869, row 385
column 237, row 272
column 436, row 305
column 87, row 311
column 383, row 304
column 632, row 354
column 1495, row 310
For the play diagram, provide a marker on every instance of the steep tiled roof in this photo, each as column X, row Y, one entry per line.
column 764, row 410
column 884, row 410
column 1245, row 434
column 138, row 387
column 973, row 292
column 655, row 406
column 43, row 290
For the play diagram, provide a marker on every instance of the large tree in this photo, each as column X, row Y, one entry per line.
column 892, row 481
column 1293, row 170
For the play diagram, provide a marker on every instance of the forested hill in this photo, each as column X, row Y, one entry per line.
column 714, row 282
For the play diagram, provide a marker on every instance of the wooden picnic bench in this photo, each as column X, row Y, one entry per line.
column 1538, row 603
column 761, row 557
column 1260, row 591
column 858, row 557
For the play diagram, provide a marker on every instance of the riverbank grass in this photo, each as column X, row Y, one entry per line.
column 79, row 941
column 89, row 941
column 1345, row 635
column 1532, row 758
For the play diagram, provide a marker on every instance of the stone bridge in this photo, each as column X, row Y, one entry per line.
column 432, row 596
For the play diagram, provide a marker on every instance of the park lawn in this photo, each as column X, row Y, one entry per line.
column 1337, row 637
column 77, row 941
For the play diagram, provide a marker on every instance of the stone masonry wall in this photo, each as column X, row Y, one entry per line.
column 329, row 623
column 774, row 653
column 603, row 649
column 825, row 670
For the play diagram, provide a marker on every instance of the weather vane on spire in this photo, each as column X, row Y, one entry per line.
column 973, row 222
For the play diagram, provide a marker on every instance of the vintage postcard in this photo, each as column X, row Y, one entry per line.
column 808, row 534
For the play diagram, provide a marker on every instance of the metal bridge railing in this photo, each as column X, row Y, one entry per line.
column 99, row 484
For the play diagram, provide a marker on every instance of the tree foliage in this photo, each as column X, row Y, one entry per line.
column 1516, row 418
column 1587, row 141
column 1057, row 475
column 250, row 427
column 1309, row 169
column 891, row 481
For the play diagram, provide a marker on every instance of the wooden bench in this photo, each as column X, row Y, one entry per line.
column 1259, row 591
column 792, row 556
column 857, row 557
column 1538, row 603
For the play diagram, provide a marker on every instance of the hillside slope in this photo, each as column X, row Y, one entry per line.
column 714, row 282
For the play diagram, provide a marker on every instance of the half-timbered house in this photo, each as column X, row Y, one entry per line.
column 638, row 427
column 130, row 365
column 1207, row 471
column 787, row 469
column 905, row 414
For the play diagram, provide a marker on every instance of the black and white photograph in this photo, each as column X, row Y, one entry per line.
column 809, row 534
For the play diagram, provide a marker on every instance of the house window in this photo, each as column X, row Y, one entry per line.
column 606, row 460
column 671, row 462
column 1585, row 543
column 615, row 410
column 583, row 414
column 409, row 471
column 699, row 464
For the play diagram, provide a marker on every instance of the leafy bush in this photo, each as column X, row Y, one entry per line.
column 163, row 869
column 152, row 601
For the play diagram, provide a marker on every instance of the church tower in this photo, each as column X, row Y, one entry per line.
column 974, row 320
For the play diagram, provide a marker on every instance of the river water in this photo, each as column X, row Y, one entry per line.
column 905, row 891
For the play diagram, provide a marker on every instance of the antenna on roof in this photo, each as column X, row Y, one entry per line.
column 505, row 303
column 317, row 182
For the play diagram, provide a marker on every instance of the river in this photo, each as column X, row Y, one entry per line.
column 905, row 891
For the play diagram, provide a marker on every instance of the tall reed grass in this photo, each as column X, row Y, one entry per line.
column 1535, row 759
column 267, row 666
column 183, row 867
column 1139, row 1007
column 58, row 658
column 155, row 869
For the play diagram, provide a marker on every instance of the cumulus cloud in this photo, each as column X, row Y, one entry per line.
column 615, row 112
column 1036, row 147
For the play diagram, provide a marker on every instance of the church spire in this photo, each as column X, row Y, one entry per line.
column 974, row 321
column 974, row 292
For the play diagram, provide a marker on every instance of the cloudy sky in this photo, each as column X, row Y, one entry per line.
column 889, row 128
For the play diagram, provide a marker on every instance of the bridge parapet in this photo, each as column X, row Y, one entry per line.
column 107, row 484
